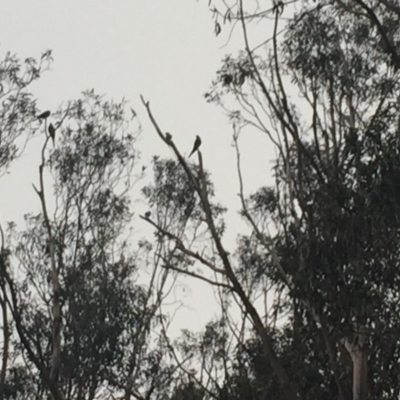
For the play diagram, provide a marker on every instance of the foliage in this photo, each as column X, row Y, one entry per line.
column 105, row 315
column 18, row 108
column 324, row 237
column 313, row 285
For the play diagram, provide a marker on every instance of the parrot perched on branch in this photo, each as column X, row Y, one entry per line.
column 197, row 144
column 52, row 132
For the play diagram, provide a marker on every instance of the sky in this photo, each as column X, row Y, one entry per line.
column 165, row 50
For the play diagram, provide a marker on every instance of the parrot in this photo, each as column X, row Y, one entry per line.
column 196, row 146
column 44, row 115
column 52, row 131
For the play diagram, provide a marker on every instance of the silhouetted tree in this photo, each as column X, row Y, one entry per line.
column 85, row 327
column 324, row 237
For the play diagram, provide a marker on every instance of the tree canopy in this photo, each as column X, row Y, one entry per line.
column 308, row 297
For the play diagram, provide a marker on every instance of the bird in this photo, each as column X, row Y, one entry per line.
column 147, row 214
column 44, row 115
column 52, row 131
column 197, row 144
column 168, row 137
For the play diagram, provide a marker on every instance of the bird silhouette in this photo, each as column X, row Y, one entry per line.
column 168, row 137
column 196, row 146
column 147, row 214
column 52, row 132
column 44, row 115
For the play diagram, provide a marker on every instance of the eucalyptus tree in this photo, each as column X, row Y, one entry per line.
column 18, row 123
column 82, row 322
column 324, row 88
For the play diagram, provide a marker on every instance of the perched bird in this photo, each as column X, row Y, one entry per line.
column 147, row 214
column 52, row 131
column 197, row 144
column 168, row 137
column 44, row 115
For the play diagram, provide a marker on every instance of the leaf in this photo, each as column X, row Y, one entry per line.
column 228, row 15
column 217, row 29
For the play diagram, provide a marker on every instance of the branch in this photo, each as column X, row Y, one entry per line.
column 288, row 281
column 57, row 317
column 6, row 329
column 194, row 275
column 142, row 333
column 180, row 363
column 288, row 386
column 13, row 304
column 181, row 246
column 388, row 42
column 290, row 126
column 170, row 143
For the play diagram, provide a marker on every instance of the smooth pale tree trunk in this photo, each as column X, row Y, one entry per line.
column 359, row 357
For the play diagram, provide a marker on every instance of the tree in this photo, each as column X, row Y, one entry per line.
column 324, row 237
column 314, row 282
column 17, row 116
column 77, row 323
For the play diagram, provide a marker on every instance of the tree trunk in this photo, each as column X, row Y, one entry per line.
column 359, row 356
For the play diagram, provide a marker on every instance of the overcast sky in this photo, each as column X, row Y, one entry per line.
column 165, row 50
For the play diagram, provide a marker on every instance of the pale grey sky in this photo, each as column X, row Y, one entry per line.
column 165, row 50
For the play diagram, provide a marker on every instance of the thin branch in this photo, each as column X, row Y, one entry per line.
column 16, row 313
column 6, row 328
column 288, row 281
column 57, row 317
column 181, row 247
column 288, row 386
column 194, row 275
